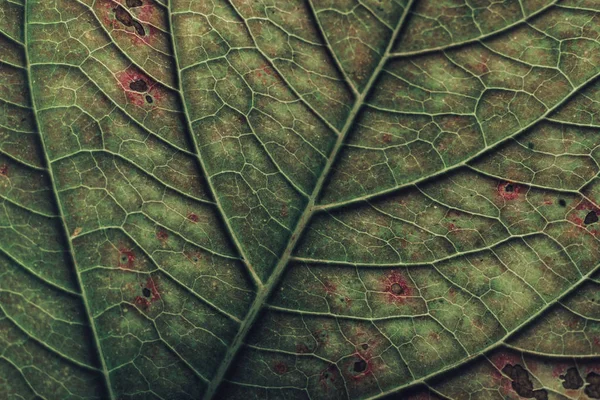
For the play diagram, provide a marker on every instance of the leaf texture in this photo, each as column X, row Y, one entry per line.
column 300, row 199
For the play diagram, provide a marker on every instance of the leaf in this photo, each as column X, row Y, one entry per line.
column 299, row 199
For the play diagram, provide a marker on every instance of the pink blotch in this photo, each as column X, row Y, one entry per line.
column 154, row 294
column 396, row 288
column 508, row 190
column 126, row 258
column 132, row 74
column 503, row 358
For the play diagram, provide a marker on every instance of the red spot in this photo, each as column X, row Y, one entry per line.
column 509, row 190
column 452, row 227
column 548, row 202
column 193, row 217
column 396, row 288
column 501, row 359
column 3, row 170
column 131, row 75
column 596, row 341
column 280, row 368
column 150, row 294
column 162, row 235
column 359, row 367
column 387, row 138
column 126, row 258
column 559, row 369
column 284, row 211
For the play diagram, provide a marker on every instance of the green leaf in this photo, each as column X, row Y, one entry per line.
column 299, row 199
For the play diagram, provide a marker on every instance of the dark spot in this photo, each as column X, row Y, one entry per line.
column 591, row 218
column 139, row 28
column 360, row 366
column 562, row 202
column 149, row 99
column 592, row 389
column 530, row 145
column 139, row 86
column 134, row 3
column 397, row 289
column 509, row 188
column 146, row 292
column 521, row 383
column 123, row 16
column 126, row 259
column 365, row 346
column 572, row 379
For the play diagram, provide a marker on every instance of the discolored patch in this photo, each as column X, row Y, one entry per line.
column 126, row 258
column 572, row 379
column 521, row 383
column 592, row 389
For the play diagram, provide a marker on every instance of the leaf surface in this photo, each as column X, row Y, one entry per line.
column 299, row 199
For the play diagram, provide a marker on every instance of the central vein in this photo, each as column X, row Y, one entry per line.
column 266, row 289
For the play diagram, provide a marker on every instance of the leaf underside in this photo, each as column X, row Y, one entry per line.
column 324, row 199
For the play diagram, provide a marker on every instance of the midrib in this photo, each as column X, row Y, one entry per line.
column 61, row 213
column 265, row 291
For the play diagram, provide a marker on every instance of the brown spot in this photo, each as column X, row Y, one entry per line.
column 572, row 379
column 133, row 3
column 4, row 170
column 521, row 383
column 284, row 211
column 193, row 217
column 77, row 231
column 139, row 85
column 280, row 368
column 592, row 389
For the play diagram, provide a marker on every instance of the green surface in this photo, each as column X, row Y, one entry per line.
column 299, row 199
